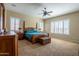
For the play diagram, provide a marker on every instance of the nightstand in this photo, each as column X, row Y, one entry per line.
column 20, row 35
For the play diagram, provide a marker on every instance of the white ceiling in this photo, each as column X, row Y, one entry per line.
column 34, row 9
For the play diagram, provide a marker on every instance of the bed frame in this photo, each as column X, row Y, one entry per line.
column 35, row 37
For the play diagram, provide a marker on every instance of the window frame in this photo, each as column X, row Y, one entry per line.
column 62, row 30
column 15, row 25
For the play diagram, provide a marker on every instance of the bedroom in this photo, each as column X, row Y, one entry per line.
column 61, row 25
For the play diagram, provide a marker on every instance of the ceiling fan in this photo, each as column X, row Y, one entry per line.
column 45, row 12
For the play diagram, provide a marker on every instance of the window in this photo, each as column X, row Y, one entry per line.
column 56, row 27
column 14, row 23
column 17, row 24
column 60, row 27
column 40, row 26
column 66, row 27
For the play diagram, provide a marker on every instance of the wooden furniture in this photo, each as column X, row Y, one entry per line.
column 23, row 25
column 35, row 37
column 8, row 44
column 44, row 40
column 20, row 35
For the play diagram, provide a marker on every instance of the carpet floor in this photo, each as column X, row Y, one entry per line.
column 57, row 47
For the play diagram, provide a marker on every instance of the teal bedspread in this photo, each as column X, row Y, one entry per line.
column 30, row 33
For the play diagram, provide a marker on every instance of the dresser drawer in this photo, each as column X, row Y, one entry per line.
column 7, row 45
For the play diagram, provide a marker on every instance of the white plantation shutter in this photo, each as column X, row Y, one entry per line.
column 60, row 27
column 17, row 24
column 66, row 26
column 40, row 25
column 14, row 23
column 52, row 27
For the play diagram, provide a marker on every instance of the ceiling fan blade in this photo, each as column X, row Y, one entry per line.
column 50, row 11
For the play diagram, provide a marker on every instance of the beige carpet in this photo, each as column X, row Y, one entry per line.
column 57, row 47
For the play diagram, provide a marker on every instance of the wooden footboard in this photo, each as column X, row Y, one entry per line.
column 36, row 37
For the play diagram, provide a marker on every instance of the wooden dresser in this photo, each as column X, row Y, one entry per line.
column 8, row 44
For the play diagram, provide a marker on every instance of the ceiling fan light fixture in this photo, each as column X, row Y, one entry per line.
column 45, row 12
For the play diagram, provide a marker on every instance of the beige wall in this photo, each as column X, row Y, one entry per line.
column 29, row 21
column 74, row 26
column 32, row 22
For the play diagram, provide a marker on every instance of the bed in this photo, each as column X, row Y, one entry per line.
column 33, row 35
